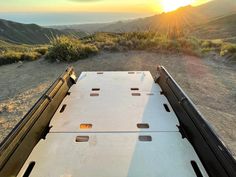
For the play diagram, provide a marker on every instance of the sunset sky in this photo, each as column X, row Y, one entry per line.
column 136, row 6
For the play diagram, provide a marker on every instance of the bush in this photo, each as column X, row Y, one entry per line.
column 159, row 42
column 9, row 57
column 69, row 49
column 152, row 41
column 228, row 49
column 211, row 45
column 190, row 46
column 41, row 50
column 30, row 56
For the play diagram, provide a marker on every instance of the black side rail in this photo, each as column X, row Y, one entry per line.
column 216, row 158
column 18, row 145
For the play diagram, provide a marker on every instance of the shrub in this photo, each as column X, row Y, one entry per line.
column 69, row 49
column 103, row 41
column 211, row 45
column 41, row 50
column 30, row 56
column 228, row 49
column 190, row 46
column 159, row 42
column 206, row 44
column 9, row 57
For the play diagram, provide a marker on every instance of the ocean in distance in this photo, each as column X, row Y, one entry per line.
column 50, row 19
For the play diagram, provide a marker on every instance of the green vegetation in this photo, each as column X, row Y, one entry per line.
column 224, row 49
column 11, row 53
column 228, row 49
column 12, row 57
column 72, row 49
column 69, row 49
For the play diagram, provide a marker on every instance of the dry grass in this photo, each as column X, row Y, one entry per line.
column 69, row 49
column 11, row 53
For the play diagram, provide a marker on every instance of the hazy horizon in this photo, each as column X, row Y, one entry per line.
column 131, row 6
column 67, row 12
column 51, row 19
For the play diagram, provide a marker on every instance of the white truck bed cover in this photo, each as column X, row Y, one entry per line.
column 114, row 124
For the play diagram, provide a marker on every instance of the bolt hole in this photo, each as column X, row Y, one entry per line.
column 134, row 89
column 99, row 72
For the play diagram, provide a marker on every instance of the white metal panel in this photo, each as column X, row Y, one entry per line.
column 115, row 109
column 116, row 81
column 113, row 155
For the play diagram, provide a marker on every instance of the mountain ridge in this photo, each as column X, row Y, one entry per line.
column 187, row 16
column 15, row 32
column 20, row 33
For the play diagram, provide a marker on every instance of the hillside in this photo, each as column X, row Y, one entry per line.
column 185, row 17
column 6, row 46
column 220, row 28
column 14, row 32
column 25, row 33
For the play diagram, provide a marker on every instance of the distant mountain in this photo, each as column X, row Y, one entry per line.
column 25, row 33
column 185, row 17
column 30, row 33
column 220, row 28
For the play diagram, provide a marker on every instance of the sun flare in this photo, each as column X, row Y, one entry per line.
column 170, row 5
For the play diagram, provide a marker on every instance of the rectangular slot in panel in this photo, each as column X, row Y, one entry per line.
column 95, row 89
column 29, row 169
column 63, row 108
column 85, row 126
column 145, row 138
column 94, row 94
column 134, row 89
column 166, row 108
column 143, row 126
column 80, row 139
column 136, row 94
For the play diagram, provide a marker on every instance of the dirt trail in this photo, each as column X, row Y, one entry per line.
column 210, row 84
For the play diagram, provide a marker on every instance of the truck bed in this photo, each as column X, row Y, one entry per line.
column 114, row 124
column 125, row 130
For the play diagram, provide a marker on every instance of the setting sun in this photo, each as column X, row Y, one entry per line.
column 170, row 5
